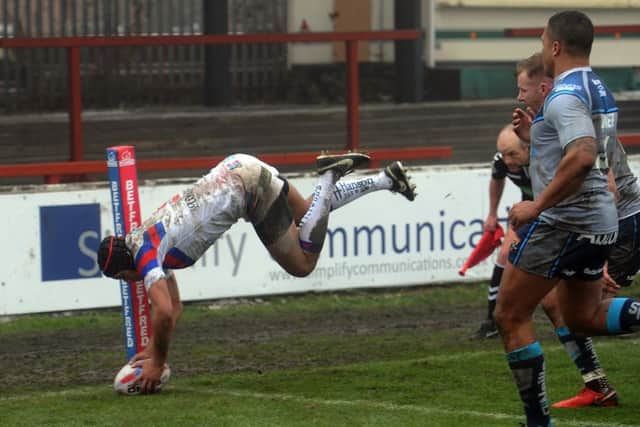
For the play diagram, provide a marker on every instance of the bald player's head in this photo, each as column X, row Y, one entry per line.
column 515, row 152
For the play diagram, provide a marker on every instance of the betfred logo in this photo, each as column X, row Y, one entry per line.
column 69, row 240
column 126, row 159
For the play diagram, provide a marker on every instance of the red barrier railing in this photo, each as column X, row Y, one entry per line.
column 630, row 139
column 73, row 45
column 54, row 171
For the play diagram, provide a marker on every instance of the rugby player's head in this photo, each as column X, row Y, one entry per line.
column 533, row 83
column 114, row 257
column 569, row 34
column 515, row 152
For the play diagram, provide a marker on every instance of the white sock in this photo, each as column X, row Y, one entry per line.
column 313, row 226
column 347, row 191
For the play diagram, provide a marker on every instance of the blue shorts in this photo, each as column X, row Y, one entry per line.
column 549, row 252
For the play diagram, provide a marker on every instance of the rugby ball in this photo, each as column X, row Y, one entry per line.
column 127, row 380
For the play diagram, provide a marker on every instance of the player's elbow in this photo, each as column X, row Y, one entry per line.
column 583, row 154
column 582, row 163
column 586, row 160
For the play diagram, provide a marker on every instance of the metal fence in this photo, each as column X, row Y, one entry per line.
column 36, row 79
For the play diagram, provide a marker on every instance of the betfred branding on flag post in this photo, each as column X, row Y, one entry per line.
column 123, row 184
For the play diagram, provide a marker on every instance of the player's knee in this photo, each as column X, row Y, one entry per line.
column 300, row 270
column 580, row 322
column 500, row 316
column 505, row 316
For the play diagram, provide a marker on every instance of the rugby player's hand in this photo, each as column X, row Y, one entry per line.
column 609, row 286
column 150, row 377
column 144, row 354
column 491, row 223
column 521, row 121
column 522, row 213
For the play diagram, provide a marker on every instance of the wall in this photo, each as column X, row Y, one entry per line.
column 606, row 52
column 467, row 16
column 316, row 14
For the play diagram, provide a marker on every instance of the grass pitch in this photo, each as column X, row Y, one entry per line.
column 394, row 358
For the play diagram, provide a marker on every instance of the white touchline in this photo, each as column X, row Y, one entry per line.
column 387, row 406
column 362, row 403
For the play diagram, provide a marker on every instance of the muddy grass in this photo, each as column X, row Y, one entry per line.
column 230, row 340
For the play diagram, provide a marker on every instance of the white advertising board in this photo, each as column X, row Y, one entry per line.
column 51, row 234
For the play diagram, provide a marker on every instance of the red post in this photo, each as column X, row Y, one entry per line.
column 353, row 129
column 75, row 104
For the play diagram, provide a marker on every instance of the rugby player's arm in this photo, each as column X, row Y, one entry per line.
column 176, row 303
column 579, row 158
column 496, row 188
column 161, row 320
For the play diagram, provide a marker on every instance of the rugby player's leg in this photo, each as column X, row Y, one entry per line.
column 393, row 178
column 287, row 252
column 298, row 204
column 520, row 293
column 597, row 391
column 585, row 311
column 624, row 259
column 488, row 327
column 296, row 247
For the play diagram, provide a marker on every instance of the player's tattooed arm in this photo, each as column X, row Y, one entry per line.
column 161, row 320
column 176, row 303
column 152, row 359
column 587, row 146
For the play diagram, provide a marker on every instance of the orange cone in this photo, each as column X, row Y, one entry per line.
column 485, row 247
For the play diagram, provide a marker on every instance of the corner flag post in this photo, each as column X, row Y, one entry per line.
column 125, row 203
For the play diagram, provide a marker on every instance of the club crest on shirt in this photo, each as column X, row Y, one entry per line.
column 515, row 243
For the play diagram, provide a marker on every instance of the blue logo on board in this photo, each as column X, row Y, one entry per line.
column 69, row 240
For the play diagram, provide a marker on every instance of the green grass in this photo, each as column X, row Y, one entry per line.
column 407, row 375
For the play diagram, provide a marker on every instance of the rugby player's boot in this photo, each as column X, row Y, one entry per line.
column 401, row 181
column 342, row 164
column 487, row 329
column 587, row 397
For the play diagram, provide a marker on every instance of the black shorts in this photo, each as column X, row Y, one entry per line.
column 549, row 252
column 624, row 259
column 277, row 219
